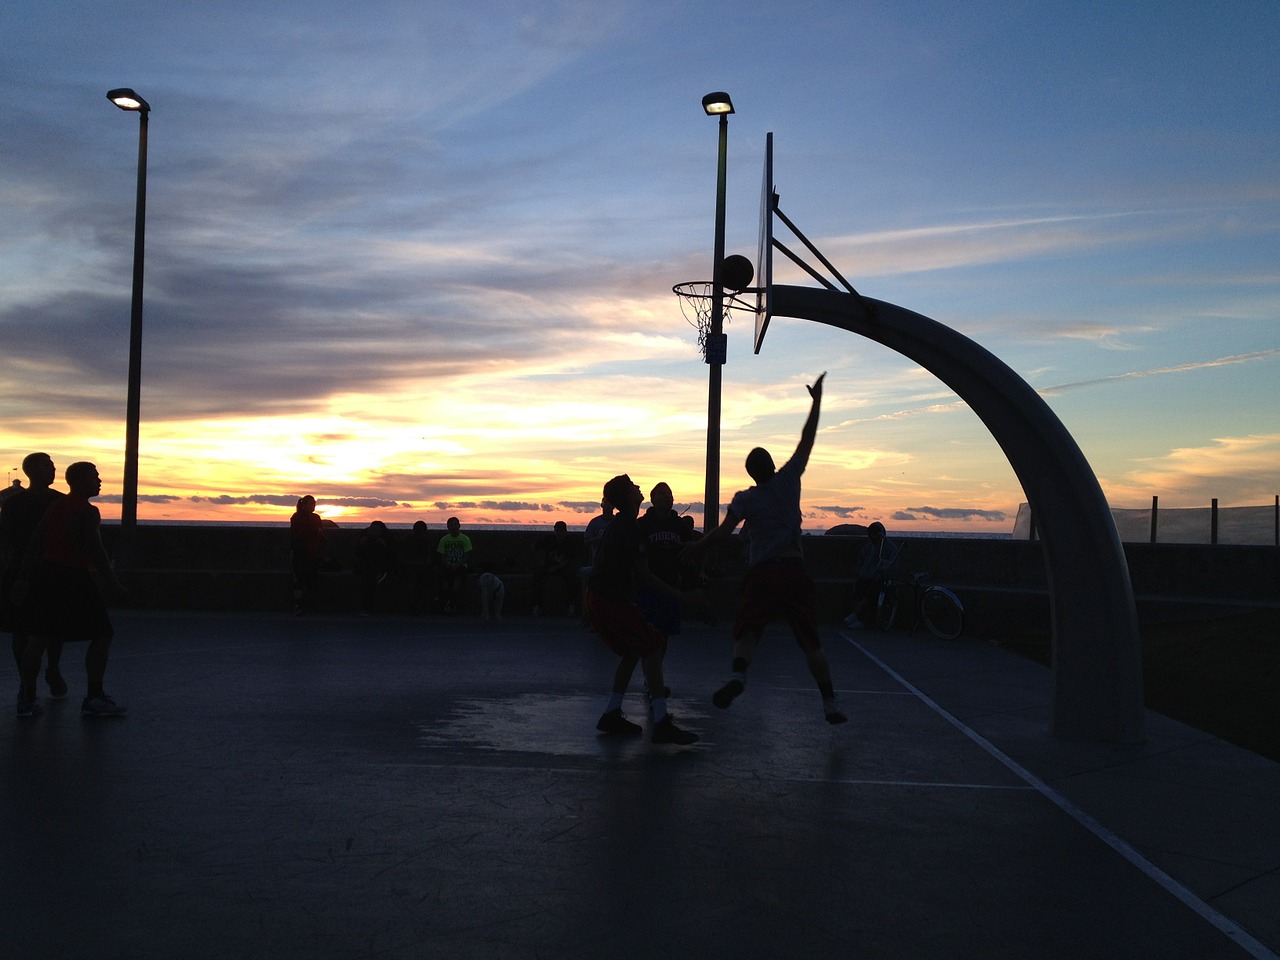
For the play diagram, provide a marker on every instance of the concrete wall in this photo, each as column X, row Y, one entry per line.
column 1001, row 582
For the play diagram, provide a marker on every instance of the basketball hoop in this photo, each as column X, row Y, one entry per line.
column 696, row 297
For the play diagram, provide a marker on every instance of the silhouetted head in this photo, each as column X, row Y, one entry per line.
column 419, row 526
column 760, row 466
column 875, row 530
column 622, row 492
column 660, row 496
column 306, row 504
column 39, row 469
column 453, row 524
column 82, row 477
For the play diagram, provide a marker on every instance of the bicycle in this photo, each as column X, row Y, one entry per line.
column 939, row 608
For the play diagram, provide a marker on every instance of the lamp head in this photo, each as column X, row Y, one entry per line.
column 716, row 104
column 126, row 99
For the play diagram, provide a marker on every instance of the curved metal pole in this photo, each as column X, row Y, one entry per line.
column 1097, row 654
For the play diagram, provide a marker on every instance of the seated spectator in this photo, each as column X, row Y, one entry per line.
column 875, row 561
column 555, row 574
column 373, row 563
column 414, row 560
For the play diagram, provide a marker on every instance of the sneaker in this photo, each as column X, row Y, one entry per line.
column 728, row 693
column 666, row 731
column 57, row 685
column 29, row 708
column 835, row 716
column 616, row 724
column 852, row 622
column 101, row 706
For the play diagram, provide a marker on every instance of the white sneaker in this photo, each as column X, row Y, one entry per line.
column 852, row 622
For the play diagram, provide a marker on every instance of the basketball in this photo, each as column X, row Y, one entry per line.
column 736, row 272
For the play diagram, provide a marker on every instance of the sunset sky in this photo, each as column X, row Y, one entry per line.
column 415, row 258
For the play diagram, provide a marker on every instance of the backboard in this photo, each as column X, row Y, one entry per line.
column 764, row 253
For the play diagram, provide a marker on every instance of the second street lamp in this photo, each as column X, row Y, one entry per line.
column 126, row 99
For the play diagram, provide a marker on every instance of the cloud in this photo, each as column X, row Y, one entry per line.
column 844, row 512
column 949, row 246
column 951, row 513
column 1060, row 388
column 287, row 500
column 163, row 498
column 1163, row 371
column 509, row 506
column 1238, row 471
column 267, row 499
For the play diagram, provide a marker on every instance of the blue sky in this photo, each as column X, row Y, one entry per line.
column 416, row 258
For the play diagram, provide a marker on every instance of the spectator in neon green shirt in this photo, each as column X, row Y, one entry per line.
column 453, row 553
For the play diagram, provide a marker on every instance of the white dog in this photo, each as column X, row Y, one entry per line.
column 492, row 593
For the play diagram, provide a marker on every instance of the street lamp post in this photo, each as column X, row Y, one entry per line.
column 126, row 99
column 716, row 105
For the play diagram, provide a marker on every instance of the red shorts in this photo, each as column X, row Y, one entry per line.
column 623, row 627
column 773, row 591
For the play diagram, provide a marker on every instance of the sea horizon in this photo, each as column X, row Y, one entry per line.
column 534, row 528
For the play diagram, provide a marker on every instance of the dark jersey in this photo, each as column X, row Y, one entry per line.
column 665, row 534
column 18, row 521
column 613, row 576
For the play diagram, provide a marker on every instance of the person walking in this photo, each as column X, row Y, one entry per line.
column 20, row 515
column 58, row 598
column 306, row 550
column 777, row 585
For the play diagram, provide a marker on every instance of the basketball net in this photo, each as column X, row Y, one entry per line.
column 696, row 298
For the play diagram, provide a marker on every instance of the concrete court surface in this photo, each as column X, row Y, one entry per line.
column 402, row 788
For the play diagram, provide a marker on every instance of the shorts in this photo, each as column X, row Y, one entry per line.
column 64, row 603
column 779, row 590
column 623, row 627
column 661, row 610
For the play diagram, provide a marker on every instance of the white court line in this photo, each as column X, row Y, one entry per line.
column 1235, row 932
column 914, row 783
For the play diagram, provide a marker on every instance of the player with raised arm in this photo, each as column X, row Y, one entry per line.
column 777, row 585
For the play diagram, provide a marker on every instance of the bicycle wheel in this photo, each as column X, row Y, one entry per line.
column 887, row 606
column 943, row 613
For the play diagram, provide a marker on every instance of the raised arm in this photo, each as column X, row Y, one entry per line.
column 810, row 431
